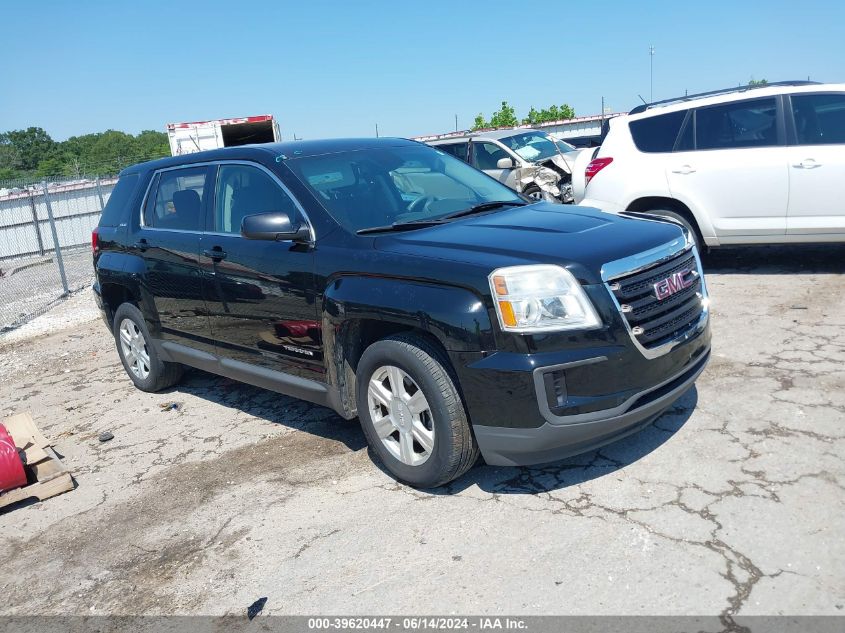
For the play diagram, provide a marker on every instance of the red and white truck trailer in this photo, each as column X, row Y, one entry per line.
column 197, row 136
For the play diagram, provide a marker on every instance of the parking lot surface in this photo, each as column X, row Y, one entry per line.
column 214, row 494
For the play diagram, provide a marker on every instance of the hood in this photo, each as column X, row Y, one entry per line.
column 561, row 162
column 580, row 238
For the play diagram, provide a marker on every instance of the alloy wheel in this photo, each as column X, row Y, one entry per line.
column 134, row 348
column 401, row 415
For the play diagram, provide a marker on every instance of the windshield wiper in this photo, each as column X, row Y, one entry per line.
column 485, row 206
column 416, row 224
column 400, row 226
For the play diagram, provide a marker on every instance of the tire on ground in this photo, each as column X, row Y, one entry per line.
column 455, row 450
column 162, row 374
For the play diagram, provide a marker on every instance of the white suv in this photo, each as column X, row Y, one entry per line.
column 741, row 166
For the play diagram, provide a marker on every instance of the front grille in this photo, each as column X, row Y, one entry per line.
column 655, row 322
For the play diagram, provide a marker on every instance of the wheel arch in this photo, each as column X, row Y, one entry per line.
column 358, row 311
column 114, row 295
column 701, row 223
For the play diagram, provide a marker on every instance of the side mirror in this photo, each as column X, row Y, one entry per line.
column 505, row 163
column 274, row 227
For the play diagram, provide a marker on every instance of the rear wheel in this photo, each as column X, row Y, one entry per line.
column 411, row 412
column 139, row 357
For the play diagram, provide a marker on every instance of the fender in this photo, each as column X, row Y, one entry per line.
column 457, row 317
column 705, row 224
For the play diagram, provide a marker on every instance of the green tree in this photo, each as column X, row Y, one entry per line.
column 30, row 146
column 533, row 117
column 757, row 82
column 480, row 123
column 51, row 167
column 553, row 113
column 9, row 158
column 151, row 144
column 31, row 153
column 504, row 117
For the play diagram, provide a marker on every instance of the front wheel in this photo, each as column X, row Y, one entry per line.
column 411, row 412
column 533, row 192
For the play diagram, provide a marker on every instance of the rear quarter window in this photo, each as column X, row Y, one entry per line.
column 116, row 210
column 657, row 133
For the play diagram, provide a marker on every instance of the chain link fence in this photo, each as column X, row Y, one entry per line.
column 45, row 243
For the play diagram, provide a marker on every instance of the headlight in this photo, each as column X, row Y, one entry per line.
column 540, row 298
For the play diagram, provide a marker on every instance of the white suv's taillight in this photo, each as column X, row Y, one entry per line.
column 595, row 166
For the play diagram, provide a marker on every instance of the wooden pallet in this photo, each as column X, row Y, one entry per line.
column 52, row 478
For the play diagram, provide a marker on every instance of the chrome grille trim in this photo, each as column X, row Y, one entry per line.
column 680, row 307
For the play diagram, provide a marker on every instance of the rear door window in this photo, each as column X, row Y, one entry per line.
column 750, row 123
column 116, row 210
column 657, row 133
column 819, row 118
column 176, row 199
column 458, row 150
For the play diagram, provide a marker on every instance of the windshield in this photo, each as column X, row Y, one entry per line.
column 564, row 146
column 533, row 146
column 379, row 187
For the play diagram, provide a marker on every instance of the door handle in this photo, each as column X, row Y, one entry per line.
column 216, row 253
column 683, row 170
column 807, row 163
column 141, row 245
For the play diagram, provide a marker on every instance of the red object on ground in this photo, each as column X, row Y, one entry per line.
column 12, row 474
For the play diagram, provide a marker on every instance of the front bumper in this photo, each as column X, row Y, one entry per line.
column 554, row 440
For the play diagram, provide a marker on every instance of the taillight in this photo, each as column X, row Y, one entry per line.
column 95, row 240
column 595, row 166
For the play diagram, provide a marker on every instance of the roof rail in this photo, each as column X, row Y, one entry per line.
column 646, row 106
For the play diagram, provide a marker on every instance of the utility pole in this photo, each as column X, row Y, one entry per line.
column 376, row 130
column 651, row 71
column 456, row 123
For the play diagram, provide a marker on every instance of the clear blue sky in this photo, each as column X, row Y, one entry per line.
column 336, row 68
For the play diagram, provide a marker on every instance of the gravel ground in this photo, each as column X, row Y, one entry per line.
column 214, row 494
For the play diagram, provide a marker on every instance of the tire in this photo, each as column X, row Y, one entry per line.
column 680, row 219
column 140, row 359
column 533, row 191
column 453, row 450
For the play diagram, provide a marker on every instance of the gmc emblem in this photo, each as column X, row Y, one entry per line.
column 675, row 283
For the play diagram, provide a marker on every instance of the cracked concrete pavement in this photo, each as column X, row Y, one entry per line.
column 731, row 503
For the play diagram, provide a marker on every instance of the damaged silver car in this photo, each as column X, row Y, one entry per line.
column 526, row 160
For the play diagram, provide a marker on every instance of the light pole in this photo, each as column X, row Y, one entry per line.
column 651, row 72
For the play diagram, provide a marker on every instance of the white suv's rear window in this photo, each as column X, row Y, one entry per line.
column 657, row 133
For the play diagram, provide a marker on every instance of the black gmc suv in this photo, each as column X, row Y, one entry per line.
column 392, row 282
